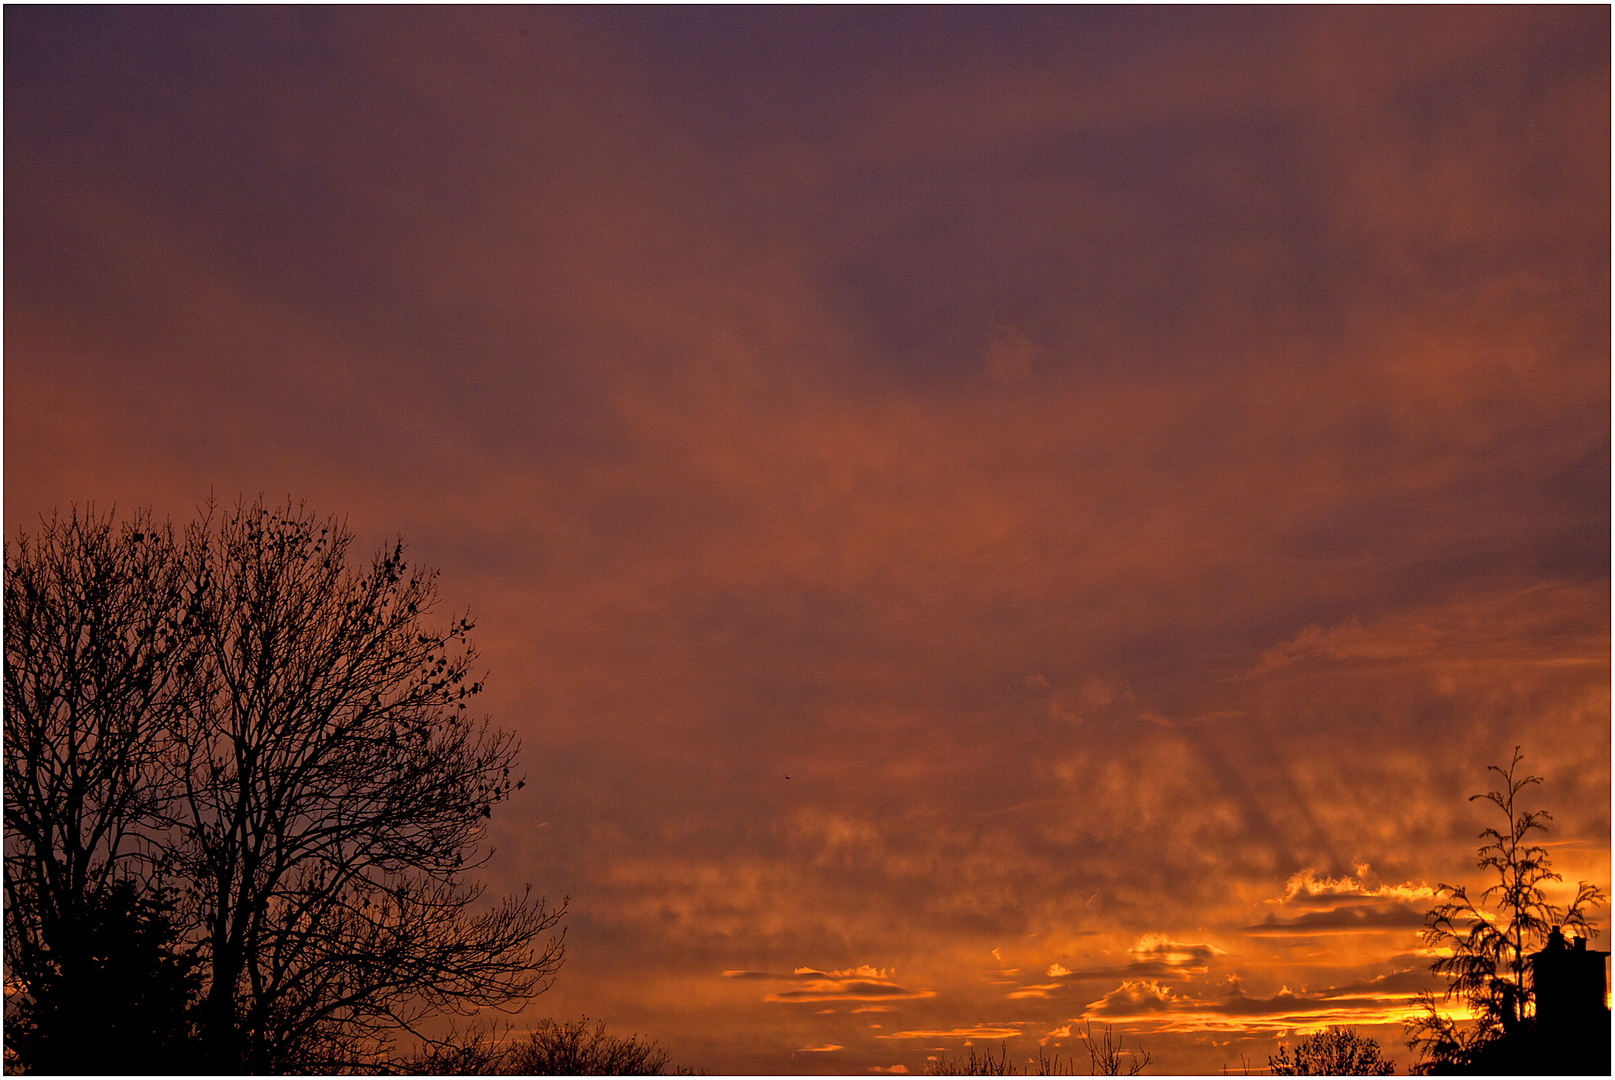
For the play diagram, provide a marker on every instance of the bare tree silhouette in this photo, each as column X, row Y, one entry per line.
column 334, row 792
column 971, row 1063
column 1110, row 1057
column 100, row 650
column 293, row 751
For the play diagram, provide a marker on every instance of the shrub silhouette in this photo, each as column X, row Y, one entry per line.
column 1337, row 1051
column 114, row 990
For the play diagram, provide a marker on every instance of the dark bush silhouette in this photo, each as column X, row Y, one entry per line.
column 1337, row 1051
column 277, row 733
column 113, row 992
column 1489, row 947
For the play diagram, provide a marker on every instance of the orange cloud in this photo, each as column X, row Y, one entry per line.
column 978, row 1031
column 1307, row 888
column 862, row 983
column 1387, row 918
column 1039, row 990
column 1385, row 1002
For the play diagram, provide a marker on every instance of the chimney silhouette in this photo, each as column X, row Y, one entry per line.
column 1571, row 1015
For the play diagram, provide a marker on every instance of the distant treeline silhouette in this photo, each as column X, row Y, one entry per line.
column 577, row 1048
column 244, row 797
column 1107, row 1056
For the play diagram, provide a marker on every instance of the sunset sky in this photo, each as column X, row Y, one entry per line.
column 985, row 519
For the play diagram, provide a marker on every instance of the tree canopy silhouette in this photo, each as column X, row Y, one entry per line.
column 117, row 992
column 248, row 718
column 1336, row 1051
column 1486, row 943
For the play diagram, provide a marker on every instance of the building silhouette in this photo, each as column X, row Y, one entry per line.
column 1572, row 1007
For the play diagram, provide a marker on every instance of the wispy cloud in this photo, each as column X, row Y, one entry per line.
column 1156, row 956
column 861, row 983
column 976, row 1031
column 1379, row 919
column 1389, row 1001
column 1307, row 889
